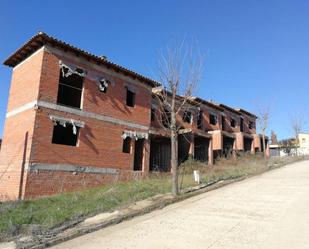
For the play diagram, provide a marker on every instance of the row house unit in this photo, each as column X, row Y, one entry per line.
column 75, row 120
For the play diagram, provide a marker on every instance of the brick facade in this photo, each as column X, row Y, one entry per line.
column 32, row 164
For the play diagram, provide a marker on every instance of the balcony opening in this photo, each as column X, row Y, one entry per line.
column 187, row 117
column 166, row 118
column 251, row 125
column 70, row 88
column 213, row 119
column 242, row 125
column 200, row 120
column 223, row 122
column 233, row 123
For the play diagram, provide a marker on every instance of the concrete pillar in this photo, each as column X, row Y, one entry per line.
column 252, row 147
column 235, row 150
column 210, row 153
column 146, row 156
column 267, row 151
column 191, row 149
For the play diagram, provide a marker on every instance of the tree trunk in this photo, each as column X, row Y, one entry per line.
column 264, row 146
column 174, row 162
column 174, row 147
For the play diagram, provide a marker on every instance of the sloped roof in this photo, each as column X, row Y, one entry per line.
column 246, row 112
column 41, row 38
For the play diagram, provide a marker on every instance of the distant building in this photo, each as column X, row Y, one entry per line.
column 303, row 139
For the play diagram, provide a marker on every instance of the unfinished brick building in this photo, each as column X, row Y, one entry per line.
column 76, row 120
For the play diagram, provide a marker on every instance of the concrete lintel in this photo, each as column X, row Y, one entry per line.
column 202, row 134
column 228, row 134
column 71, row 168
column 183, row 131
column 161, row 133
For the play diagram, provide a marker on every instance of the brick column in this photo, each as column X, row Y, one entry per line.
column 191, row 149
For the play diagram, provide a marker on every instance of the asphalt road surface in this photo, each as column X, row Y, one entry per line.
column 265, row 212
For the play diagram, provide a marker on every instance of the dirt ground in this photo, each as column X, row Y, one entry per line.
column 267, row 211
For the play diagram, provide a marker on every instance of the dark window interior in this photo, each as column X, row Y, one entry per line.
column 166, row 118
column 126, row 147
column 241, row 124
column 130, row 98
column 153, row 114
column 213, row 119
column 65, row 135
column 250, row 125
column 223, row 122
column 200, row 120
column 187, row 117
column 70, row 90
column 233, row 123
column 138, row 155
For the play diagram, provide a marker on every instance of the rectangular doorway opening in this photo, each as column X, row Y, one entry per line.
column 138, row 155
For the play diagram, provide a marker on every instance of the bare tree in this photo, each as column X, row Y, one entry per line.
column 263, row 119
column 297, row 127
column 179, row 72
column 273, row 137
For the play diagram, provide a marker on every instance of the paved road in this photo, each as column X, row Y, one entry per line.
column 265, row 212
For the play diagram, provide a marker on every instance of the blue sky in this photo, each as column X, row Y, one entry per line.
column 257, row 52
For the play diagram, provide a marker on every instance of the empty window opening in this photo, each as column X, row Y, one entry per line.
column 251, row 125
column 213, row 119
column 223, row 122
column 153, row 114
column 187, row 117
column 233, row 123
column 65, row 134
column 126, row 146
column 241, row 124
column 70, row 88
column 130, row 98
column 200, row 120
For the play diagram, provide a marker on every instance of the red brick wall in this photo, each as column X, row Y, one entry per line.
column 16, row 147
column 18, row 129
column 43, row 182
column 112, row 103
column 100, row 144
column 25, row 81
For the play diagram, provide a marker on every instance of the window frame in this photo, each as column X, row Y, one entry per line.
column 215, row 118
column 133, row 96
column 77, row 135
column 62, row 85
column 126, row 145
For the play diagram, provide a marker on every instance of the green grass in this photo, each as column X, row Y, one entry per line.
column 16, row 217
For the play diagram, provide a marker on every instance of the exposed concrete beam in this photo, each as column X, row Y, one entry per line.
column 72, row 168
